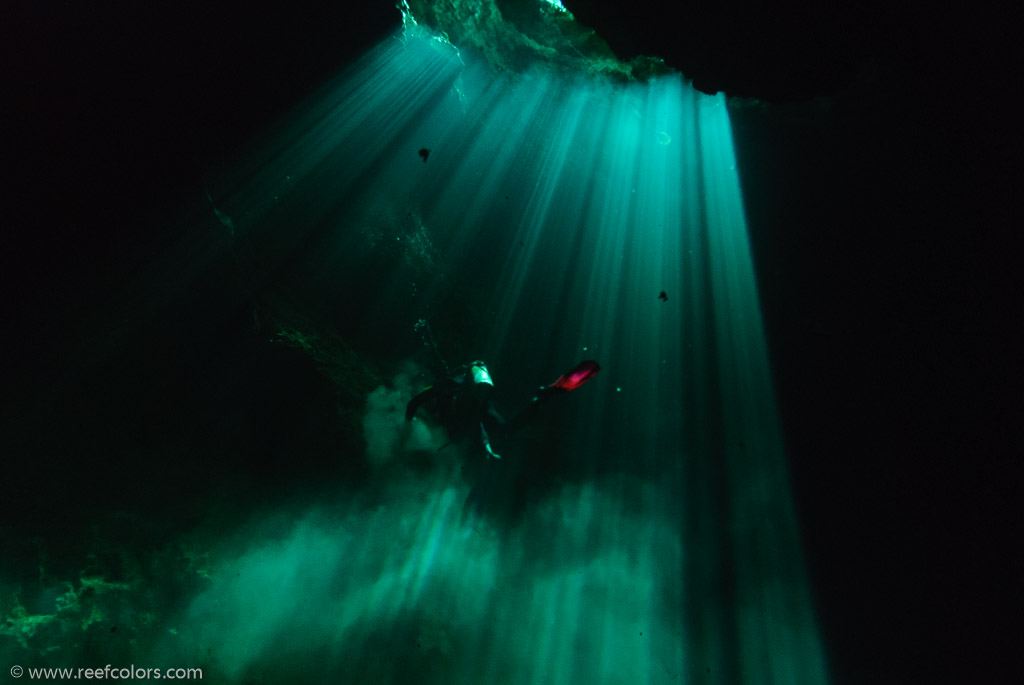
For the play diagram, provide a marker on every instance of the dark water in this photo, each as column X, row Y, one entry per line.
column 242, row 402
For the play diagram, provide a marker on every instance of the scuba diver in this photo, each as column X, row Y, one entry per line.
column 462, row 402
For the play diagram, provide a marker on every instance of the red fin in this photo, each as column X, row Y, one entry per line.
column 582, row 373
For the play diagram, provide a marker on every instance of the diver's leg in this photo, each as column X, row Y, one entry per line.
column 523, row 418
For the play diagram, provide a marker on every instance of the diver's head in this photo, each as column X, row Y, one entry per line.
column 482, row 383
column 480, row 374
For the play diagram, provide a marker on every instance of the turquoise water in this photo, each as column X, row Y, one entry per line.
column 641, row 530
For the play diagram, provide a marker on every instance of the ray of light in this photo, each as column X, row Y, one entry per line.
column 560, row 207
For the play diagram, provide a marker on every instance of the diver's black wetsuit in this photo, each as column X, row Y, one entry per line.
column 462, row 401
column 466, row 411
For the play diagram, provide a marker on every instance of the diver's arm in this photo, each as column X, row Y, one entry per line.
column 415, row 403
column 491, row 454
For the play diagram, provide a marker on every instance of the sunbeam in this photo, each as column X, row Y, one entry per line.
column 566, row 204
column 640, row 530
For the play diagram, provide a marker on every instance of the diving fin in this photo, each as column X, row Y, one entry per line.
column 570, row 380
